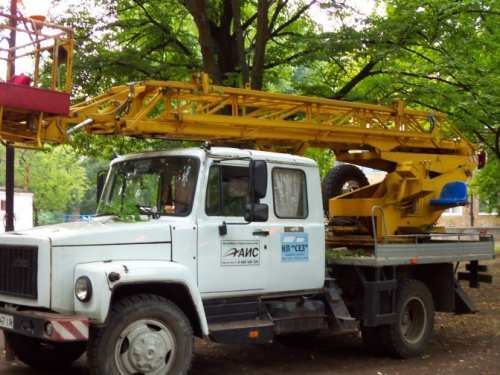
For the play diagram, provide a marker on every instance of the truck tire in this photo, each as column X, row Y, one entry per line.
column 410, row 334
column 371, row 339
column 44, row 355
column 144, row 334
column 340, row 180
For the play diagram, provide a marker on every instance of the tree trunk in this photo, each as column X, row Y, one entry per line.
column 240, row 41
column 198, row 10
column 260, row 45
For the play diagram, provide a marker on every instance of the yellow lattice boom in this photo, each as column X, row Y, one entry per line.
column 200, row 111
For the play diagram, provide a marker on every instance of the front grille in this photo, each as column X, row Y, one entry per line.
column 18, row 270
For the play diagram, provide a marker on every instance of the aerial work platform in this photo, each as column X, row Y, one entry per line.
column 31, row 106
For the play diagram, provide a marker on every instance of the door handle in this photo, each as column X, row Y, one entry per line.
column 261, row 233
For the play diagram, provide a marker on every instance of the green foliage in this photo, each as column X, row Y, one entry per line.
column 340, row 253
column 100, row 147
column 55, row 175
column 485, row 184
column 48, row 218
column 57, row 178
column 92, row 167
column 437, row 55
column 497, row 248
column 134, row 40
column 126, row 211
column 324, row 157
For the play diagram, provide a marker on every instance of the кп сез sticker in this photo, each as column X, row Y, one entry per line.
column 294, row 247
column 240, row 253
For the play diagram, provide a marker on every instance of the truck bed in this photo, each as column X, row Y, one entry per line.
column 440, row 248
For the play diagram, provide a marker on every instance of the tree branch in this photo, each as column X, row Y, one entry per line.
column 290, row 58
column 198, row 10
column 294, row 18
column 161, row 27
column 365, row 72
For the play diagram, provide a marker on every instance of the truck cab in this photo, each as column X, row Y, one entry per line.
column 200, row 195
column 214, row 232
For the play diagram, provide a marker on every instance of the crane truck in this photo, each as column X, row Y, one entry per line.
column 228, row 244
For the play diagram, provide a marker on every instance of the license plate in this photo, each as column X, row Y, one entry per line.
column 6, row 321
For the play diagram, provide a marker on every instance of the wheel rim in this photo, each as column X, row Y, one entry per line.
column 413, row 320
column 145, row 347
column 350, row 185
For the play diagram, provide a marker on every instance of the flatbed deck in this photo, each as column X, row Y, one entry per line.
column 442, row 248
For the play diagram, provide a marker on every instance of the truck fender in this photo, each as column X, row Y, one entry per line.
column 108, row 277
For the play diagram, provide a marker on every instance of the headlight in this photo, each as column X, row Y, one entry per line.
column 83, row 289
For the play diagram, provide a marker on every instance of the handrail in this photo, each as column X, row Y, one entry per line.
column 34, row 110
column 41, row 41
column 374, row 208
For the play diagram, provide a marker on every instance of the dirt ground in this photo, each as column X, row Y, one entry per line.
column 467, row 344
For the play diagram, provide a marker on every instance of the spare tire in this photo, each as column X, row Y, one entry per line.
column 342, row 179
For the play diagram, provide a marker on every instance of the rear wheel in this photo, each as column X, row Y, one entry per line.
column 371, row 339
column 42, row 354
column 342, row 179
column 145, row 334
column 410, row 334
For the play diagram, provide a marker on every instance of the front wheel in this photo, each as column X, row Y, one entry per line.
column 145, row 334
column 410, row 334
column 41, row 354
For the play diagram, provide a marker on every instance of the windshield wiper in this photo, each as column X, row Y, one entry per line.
column 147, row 211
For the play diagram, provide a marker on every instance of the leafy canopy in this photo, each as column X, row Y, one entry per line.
column 437, row 55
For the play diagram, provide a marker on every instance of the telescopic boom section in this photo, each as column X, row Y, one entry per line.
column 201, row 111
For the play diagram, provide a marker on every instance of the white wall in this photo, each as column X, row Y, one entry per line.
column 23, row 209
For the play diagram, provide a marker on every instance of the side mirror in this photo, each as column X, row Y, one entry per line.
column 258, row 180
column 101, row 179
column 256, row 212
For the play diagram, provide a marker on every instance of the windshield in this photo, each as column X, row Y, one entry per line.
column 153, row 186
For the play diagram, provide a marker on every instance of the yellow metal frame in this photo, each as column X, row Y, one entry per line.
column 38, row 41
column 200, row 111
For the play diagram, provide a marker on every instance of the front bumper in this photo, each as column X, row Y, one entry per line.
column 45, row 326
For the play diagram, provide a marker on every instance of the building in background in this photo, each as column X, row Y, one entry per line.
column 472, row 215
column 23, row 209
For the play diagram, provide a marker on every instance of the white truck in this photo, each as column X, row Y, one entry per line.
column 223, row 244
column 226, row 244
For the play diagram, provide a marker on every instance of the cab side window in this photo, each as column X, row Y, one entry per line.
column 290, row 193
column 226, row 191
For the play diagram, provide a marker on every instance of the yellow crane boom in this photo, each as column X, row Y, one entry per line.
column 200, row 111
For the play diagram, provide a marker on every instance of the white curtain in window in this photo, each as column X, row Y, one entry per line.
column 289, row 193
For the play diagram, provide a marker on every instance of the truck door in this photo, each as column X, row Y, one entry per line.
column 232, row 254
column 297, row 233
